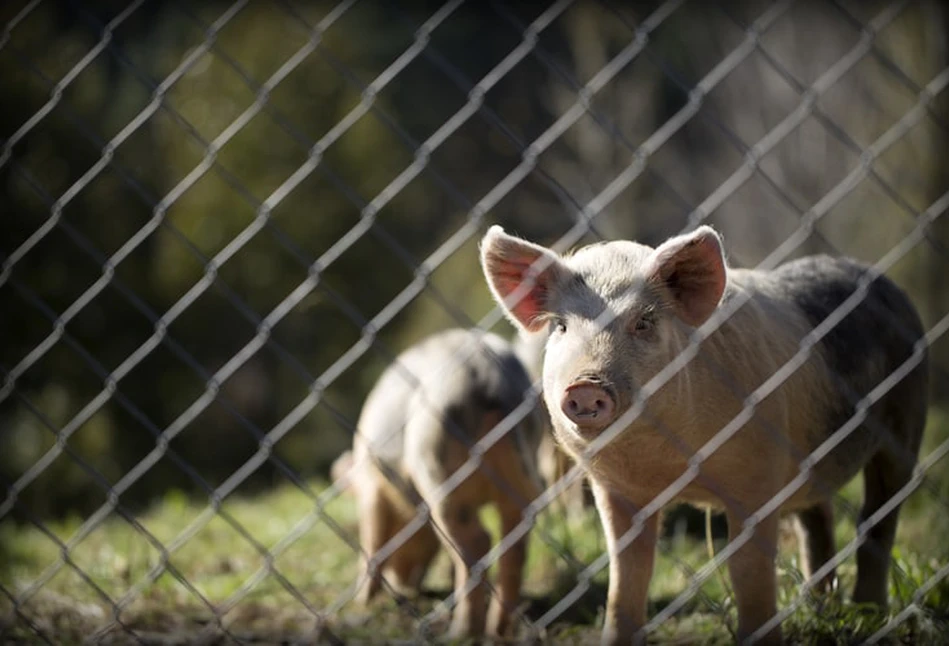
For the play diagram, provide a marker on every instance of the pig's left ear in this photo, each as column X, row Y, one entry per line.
column 521, row 276
column 692, row 268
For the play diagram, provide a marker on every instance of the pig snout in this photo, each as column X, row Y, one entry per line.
column 589, row 403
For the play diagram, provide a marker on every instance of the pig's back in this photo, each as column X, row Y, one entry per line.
column 385, row 411
column 874, row 338
column 458, row 373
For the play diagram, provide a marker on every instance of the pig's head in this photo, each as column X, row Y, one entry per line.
column 617, row 312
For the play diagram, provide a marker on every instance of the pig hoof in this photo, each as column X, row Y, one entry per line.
column 462, row 629
column 367, row 593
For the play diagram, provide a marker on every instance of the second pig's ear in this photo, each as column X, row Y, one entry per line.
column 520, row 275
column 692, row 268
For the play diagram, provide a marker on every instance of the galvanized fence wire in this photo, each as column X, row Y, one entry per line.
column 782, row 194
column 585, row 216
column 212, row 265
column 823, row 206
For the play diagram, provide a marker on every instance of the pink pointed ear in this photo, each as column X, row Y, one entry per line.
column 692, row 268
column 521, row 276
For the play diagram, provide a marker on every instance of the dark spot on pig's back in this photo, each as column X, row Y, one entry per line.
column 874, row 338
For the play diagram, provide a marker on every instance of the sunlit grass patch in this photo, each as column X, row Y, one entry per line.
column 197, row 572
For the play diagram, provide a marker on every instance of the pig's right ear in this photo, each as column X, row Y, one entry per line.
column 520, row 275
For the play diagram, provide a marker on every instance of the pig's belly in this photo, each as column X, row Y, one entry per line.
column 647, row 468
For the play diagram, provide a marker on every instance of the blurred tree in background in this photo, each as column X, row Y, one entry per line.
column 204, row 169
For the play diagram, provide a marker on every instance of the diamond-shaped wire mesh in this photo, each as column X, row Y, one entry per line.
column 222, row 221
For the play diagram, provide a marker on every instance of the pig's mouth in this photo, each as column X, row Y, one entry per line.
column 590, row 403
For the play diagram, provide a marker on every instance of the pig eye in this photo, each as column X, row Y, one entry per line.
column 644, row 323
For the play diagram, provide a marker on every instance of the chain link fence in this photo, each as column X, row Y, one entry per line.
column 222, row 220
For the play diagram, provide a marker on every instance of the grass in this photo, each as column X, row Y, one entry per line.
column 257, row 600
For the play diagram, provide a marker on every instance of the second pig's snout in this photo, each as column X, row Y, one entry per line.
column 588, row 404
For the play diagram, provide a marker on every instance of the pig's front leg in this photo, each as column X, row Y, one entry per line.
column 630, row 567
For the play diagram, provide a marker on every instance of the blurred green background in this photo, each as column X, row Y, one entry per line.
column 187, row 122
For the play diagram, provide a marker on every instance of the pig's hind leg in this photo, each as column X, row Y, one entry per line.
column 884, row 475
column 375, row 528
column 515, row 491
column 815, row 534
column 465, row 538
column 411, row 561
column 902, row 419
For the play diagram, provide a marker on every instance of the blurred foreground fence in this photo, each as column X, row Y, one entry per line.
column 220, row 221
